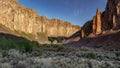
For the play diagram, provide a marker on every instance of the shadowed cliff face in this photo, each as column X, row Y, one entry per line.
column 101, row 22
column 18, row 18
column 108, row 20
column 111, row 15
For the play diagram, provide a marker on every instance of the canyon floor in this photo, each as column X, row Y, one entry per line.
column 23, row 53
column 23, row 34
column 18, row 52
column 58, row 57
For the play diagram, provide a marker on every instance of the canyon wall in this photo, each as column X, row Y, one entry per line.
column 18, row 18
column 106, row 21
column 111, row 15
column 101, row 22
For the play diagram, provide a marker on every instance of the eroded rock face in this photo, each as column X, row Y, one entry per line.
column 96, row 26
column 98, row 22
column 111, row 16
column 109, row 19
column 18, row 18
column 101, row 22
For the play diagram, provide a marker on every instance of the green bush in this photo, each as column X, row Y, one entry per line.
column 23, row 44
column 54, row 42
column 27, row 46
column 90, row 55
column 6, row 43
column 117, row 53
column 60, row 47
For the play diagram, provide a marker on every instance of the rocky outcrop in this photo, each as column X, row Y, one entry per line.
column 108, row 20
column 18, row 18
column 111, row 15
column 91, row 28
column 102, row 32
column 96, row 24
column 101, row 22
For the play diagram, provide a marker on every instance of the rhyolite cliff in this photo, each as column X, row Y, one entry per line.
column 109, row 20
column 21, row 20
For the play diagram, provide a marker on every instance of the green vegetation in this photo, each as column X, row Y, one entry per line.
column 51, row 47
column 59, row 47
column 23, row 44
column 90, row 55
column 83, row 49
column 54, row 42
column 117, row 53
column 25, row 53
column 27, row 46
column 58, row 39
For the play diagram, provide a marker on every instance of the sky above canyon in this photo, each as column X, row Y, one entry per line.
column 74, row 11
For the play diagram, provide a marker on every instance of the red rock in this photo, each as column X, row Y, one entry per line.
column 111, row 15
column 97, row 24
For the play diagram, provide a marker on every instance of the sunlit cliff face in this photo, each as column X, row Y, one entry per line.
column 18, row 18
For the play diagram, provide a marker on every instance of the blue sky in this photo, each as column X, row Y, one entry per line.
column 75, row 11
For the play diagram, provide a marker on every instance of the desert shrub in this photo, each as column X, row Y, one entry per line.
column 51, row 39
column 5, row 65
column 6, row 43
column 59, row 39
column 23, row 44
column 99, row 46
column 83, row 49
column 117, row 53
column 54, row 42
column 26, row 45
column 54, row 45
column 90, row 55
column 60, row 47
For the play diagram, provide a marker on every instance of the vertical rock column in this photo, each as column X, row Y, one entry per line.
column 96, row 27
column 98, row 22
